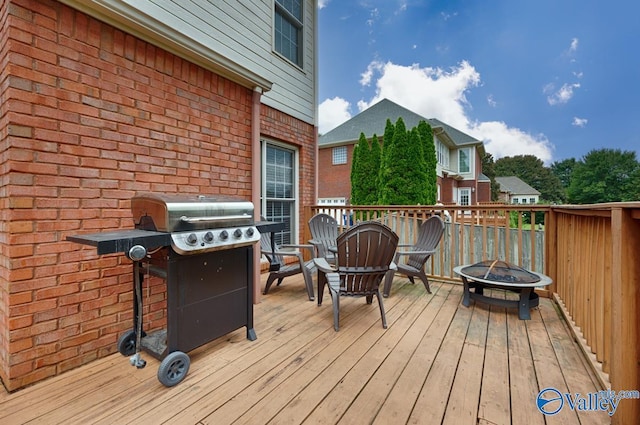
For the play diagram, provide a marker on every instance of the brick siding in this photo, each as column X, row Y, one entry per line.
column 89, row 116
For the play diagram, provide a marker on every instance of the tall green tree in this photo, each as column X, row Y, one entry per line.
column 531, row 170
column 563, row 170
column 398, row 176
column 430, row 162
column 488, row 169
column 605, row 175
column 359, row 166
column 376, row 157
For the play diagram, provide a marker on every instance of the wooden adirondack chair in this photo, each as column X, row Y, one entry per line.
column 364, row 256
column 429, row 236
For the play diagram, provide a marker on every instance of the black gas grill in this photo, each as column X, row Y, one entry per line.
column 203, row 248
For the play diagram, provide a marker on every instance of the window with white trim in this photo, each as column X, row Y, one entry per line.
column 464, row 160
column 288, row 30
column 279, row 189
column 464, row 196
column 442, row 154
column 339, row 155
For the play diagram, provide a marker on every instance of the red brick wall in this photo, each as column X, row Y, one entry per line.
column 278, row 126
column 90, row 116
column 336, row 179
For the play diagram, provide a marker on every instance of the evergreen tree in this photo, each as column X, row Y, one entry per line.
column 398, row 172
column 430, row 162
column 387, row 142
column 375, row 158
column 359, row 168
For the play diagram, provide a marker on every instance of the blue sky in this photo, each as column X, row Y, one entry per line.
column 552, row 78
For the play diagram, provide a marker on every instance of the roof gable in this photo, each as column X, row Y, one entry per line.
column 515, row 186
column 374, row 120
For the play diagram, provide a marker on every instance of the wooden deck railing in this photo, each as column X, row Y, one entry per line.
column 594, row 258
column 472, row 234
column 591, row 252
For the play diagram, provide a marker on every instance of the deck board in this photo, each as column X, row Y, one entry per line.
column 438, row 362
column 495, row 400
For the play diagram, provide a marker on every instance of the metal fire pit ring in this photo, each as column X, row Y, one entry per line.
column 527, row 300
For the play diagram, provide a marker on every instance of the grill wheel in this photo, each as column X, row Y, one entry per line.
column 127, row 343
column 173, row 368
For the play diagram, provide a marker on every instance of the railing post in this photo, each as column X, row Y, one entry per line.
column 625, row 308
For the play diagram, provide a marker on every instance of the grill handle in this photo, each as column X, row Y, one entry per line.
column 213, row 219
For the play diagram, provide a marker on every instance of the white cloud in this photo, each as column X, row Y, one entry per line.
column 574, row 45
column 501, row 140
column 579, row 122
column 491, row 101
column 430, row 92
column 436, row 93
column 332, row 113
column 323, row 3
column 562, row 95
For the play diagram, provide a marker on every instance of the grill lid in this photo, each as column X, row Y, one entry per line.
column 500, row 271
column 176, row 213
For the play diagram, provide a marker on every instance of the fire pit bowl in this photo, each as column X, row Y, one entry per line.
column 497, row 274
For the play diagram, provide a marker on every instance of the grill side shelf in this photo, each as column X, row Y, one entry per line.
column 123, row 240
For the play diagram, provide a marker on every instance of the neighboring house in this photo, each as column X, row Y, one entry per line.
column 102, row 99
column 459, row 169
column 514, row 191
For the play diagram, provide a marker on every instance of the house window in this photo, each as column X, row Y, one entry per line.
column 340, row 155
column 288, row 30
column 532, row 200
column 442, row 154
column 464, row 160
column 464, row 196
column 278, row 189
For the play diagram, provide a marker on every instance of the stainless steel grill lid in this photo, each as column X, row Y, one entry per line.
column 176, row 213
column 500, row 271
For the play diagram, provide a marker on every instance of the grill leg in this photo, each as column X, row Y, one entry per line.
column 136, row 360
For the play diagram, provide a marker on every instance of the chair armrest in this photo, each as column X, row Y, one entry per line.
column 323, row 265
column 415, row 252
column 311, row 248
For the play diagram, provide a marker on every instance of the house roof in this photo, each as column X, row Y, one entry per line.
column 515, row 186
column 374, row 120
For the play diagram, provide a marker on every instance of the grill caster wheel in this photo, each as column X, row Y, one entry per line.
column 173, row 368
column 127, row 343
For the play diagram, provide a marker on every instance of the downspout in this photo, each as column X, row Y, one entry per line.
column 315, row 108
column 255, row 184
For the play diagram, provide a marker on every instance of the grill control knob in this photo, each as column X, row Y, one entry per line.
column 237, row 233
column 250, row 232
column 224, row 235
column 208, row 237
column 192, row 239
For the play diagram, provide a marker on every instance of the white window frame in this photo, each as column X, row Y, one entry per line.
column 339, row 155
column 442, row 154
column 280, row 11
column 464, row 192
column 295, row 199
column 469, row 160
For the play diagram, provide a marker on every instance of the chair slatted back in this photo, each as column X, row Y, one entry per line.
column 324, row 230
column 429, row 236
column 365, row 252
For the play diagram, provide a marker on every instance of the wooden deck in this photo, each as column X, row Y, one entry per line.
column 437, row 363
